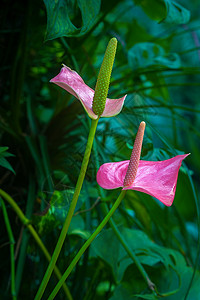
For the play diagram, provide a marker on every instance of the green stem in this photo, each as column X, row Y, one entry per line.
column 86, row 245
column 12, row 250
column 26, row 222
column 131, row 254
column 25, row 236
column 70, row 212
column 112, row 224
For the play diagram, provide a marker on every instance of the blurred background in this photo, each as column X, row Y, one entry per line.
column 44, row 130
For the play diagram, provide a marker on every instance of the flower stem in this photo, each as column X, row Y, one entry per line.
column 25, row 234
column 26, row 222
column 104, row 208
column 70, row 212
column 86, row 245
column 12, row 252
column 128, row 250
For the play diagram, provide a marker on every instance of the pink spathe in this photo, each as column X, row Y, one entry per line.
column 156, row 178
column 74, row 84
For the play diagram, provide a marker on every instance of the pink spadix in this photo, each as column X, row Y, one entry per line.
column 156, row 178
column 135, row 157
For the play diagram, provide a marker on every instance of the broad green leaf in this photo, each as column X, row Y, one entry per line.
column 168, row 11
column 174, row 277
column 61, row 12
column 107, row 246
column 171, row 282
column 77, row 227
column 143, row 55
column 156, row 10
column 176, row 13
column 122, row 292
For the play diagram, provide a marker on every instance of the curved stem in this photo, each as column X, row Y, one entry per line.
column 70, row 212
column 12, row 252
column 26, row 222
column 86, row 245
column 130, row 252
column 25, row 234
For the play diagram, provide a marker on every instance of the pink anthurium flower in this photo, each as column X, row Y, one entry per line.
column 156, row 178
column 74, row 84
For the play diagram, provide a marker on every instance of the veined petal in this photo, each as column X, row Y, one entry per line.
column 157, row 179
column 113, row 107
column 74, row 84
column 111, row 175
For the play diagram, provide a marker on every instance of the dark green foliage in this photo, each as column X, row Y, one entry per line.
column 3, row 161
column 168, row 11
column 45, row 128
column 60, row 13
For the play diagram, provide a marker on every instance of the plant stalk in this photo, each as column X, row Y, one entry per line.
column 86, row 245
column 26, row 222
column 104, row 208
column 70, row 212
column 12, row 252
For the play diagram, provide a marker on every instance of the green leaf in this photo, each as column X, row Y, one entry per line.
column 56, row 214
column 143, row 55
column 107, row 246
column 5, row 164
column 77, row 227
column 60, row 13
column 4, row 153
column 3, row 149
column 176, row 13
column 122, row 292
column 168, row 11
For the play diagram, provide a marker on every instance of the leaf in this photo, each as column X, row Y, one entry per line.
column 59, row 15
column 56, row 215
column 122, row 292
column 176, row 13
column 5, row 164
column 143, row 55
column 3, row 149
column 107, row 246
column 173, row 278
column 168, row 11
column 77, row 227
column 4, row 153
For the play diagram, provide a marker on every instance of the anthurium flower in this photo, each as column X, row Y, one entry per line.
column 156, row 178
column 74, row 84
column 94, row 102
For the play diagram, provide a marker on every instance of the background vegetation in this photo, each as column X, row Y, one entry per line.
column 44, row 132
